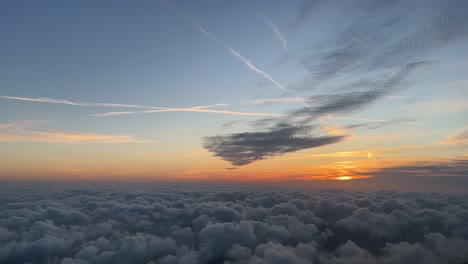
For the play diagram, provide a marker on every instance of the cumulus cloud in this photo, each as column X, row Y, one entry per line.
column 169, row 224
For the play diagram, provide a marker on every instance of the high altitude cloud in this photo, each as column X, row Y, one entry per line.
column 375, row 124
column 151, row 109
column 196, row 109
column 460, row 138
column 233, row 52
column 367, row 57
column 19, row 131
column 278, row 33
column 68, row 102
column 116, row 224
column 277, row 100
column 70, row 137
column 244, row 148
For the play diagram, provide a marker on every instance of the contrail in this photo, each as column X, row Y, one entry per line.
column 41, row 100
column 276, row 100
column 235, row 53
column 190, row 109
column 284, row 44
column 150, row 109
column 68, row 102
column 278, row 34
column 88, row 104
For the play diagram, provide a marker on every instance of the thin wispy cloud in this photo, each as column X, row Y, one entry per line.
column 460, row 137
column 41, row 100
column 24, row 131
column 404, row 121
column 70, row 137
column 235, row 53
column 151, row 109
column 303, row 12
column 6, row 125
column 277, row 100
column 19, row 125
column 68, row 102
column 190, row 109
column 279, row 35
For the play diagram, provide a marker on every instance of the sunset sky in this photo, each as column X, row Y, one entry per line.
column 373, row 93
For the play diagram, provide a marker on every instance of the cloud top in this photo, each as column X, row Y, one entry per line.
column 169, row 224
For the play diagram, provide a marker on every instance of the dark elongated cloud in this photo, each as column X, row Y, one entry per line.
column 445, row 168
column 244, row 148
column 370, row 54
column 353, row 101
column 166, row 223
column 344, row 102
column 375, row 124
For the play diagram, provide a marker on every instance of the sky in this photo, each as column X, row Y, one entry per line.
column 358, row 94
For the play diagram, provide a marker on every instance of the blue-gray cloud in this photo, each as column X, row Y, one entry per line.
column 244, row 148
column 168, row 224
column 370, row 54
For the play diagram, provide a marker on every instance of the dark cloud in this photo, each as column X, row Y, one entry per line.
column 352, row 101
column 368, row 54
column 381, row 42
column 379, row 124
column 443, row 168
column 284, row 137
column 168, row 224
column 375, row 37
column 341, row 103
column 244, row 148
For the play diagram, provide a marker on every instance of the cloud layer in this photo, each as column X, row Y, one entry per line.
column 212, row 225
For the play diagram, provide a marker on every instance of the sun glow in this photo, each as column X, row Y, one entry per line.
column 344, row 178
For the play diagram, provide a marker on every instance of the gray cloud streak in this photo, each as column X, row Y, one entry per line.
column 244, row 148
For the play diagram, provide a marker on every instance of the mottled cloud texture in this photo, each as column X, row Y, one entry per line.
column 244, row 148
column 368, row 55
column 243, row 225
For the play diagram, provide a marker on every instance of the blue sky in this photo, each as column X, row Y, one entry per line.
column 340, row 72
